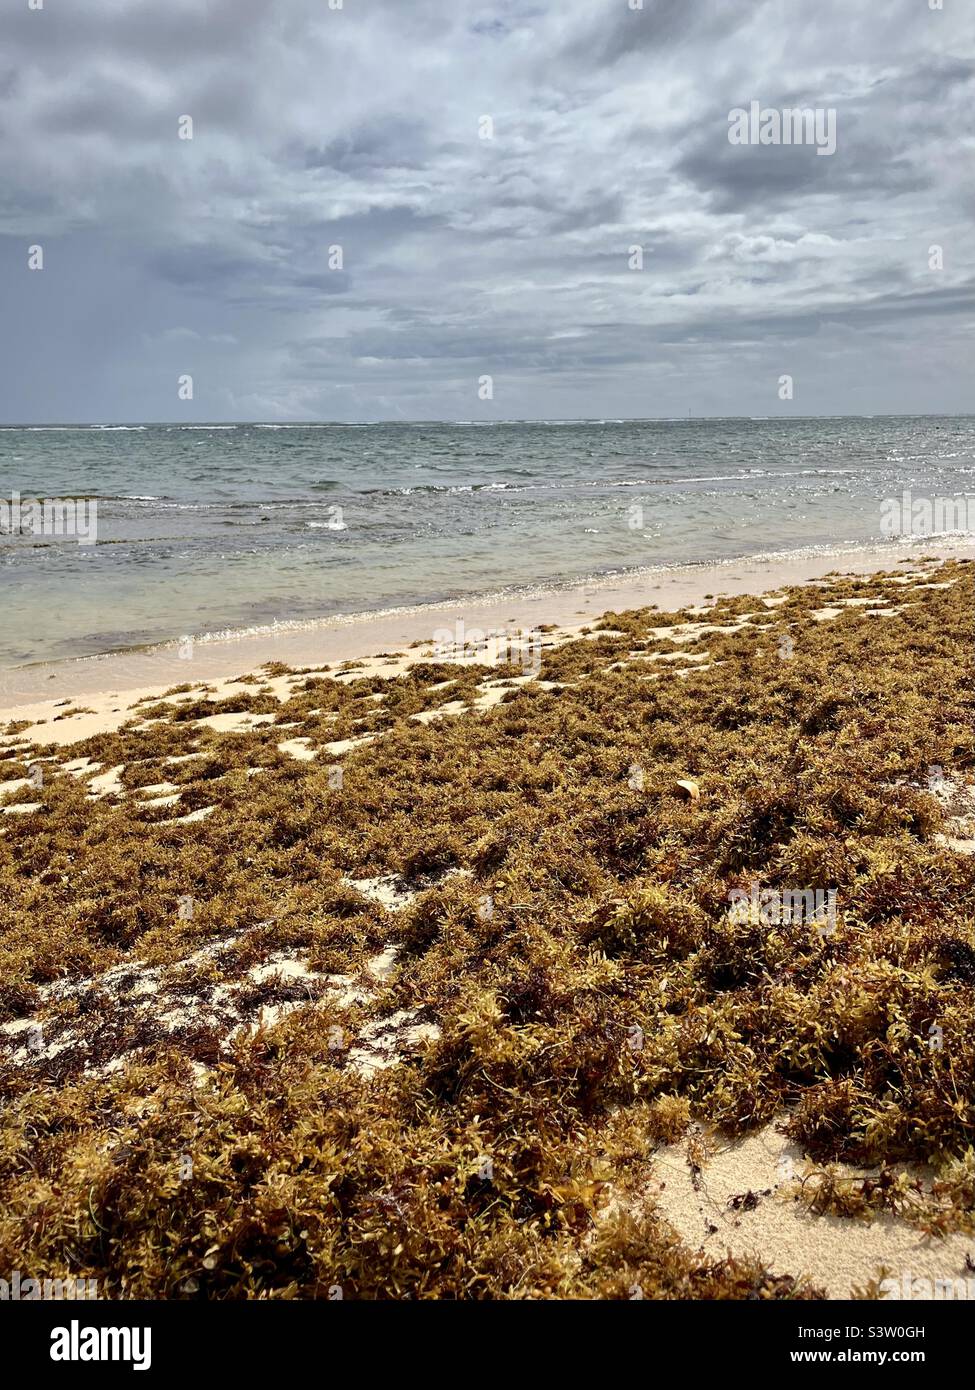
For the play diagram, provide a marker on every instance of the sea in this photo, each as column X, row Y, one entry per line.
column 208, row 529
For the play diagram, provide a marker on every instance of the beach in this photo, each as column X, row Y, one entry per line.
column 487, row 679
column 461, row 875
column 105, row 680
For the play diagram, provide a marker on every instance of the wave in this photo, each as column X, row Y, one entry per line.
column 570, row 485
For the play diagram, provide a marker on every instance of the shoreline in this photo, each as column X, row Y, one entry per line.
column 25, row 690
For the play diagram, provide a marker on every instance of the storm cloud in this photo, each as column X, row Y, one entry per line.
column 386, row 201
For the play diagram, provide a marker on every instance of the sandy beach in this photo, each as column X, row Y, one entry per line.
column 347, row 971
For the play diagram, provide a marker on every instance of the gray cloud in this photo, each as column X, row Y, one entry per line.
column 361, row 127
column 617, row 31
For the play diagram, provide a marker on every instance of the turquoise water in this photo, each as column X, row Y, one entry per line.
column 212, row 528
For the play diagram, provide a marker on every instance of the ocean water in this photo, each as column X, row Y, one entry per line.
column 203, row 529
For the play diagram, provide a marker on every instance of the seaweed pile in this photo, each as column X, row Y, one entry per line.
column 390, row 986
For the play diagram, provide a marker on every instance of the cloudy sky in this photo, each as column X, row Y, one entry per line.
column 463, row 256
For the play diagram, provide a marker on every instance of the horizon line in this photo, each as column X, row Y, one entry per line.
column 513, row 420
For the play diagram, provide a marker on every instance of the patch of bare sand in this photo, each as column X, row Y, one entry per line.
column 106, row 783
column 299, row 748
column 141, row 1005
column 382, row 1042
column 385, row 889
column 958, row 799
column 739, row 1198
column 345, row 745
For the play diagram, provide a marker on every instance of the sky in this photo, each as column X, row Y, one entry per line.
column 485, row 170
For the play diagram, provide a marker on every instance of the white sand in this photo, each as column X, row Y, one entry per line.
column 742, row 1201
